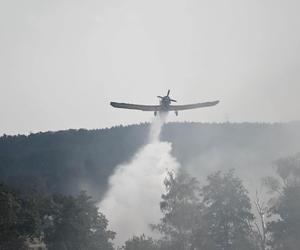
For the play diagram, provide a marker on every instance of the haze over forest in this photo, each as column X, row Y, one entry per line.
column 72, row 160
column 124, row 171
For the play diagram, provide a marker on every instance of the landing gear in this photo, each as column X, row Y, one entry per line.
column 176, row 112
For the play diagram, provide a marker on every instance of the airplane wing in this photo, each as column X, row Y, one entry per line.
column 192, row 106
column 135, row 106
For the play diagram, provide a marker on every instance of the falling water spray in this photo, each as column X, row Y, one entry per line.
column 132, row 201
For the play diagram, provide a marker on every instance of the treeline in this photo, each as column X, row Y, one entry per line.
column 69, row 161
column 215, row 215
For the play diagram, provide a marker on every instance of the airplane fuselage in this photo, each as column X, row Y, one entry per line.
column 165, row 103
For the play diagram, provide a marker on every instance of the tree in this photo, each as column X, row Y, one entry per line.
column 285, row 231
column 180, row 207
column 261, row 225
column 141, row 242
column 76, row 224
column 19, row 219
column 227, row 214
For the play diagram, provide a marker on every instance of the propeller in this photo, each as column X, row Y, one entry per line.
column 168, row 93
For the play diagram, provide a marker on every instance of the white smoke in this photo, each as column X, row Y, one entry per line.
column 132, row 201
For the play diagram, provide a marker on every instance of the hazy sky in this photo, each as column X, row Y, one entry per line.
column 62, row 62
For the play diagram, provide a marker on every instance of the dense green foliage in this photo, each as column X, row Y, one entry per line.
column 181, row 207
column 141, row 242
column 61, row 222
column 285, row 231
column 216, row 216
column 227, row 213
column 18, row 219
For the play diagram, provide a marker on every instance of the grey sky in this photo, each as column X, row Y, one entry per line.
column 62, row 62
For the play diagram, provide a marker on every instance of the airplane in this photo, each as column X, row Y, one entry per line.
column 164, row 105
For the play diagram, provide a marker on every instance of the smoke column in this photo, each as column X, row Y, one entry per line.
column 132, row 201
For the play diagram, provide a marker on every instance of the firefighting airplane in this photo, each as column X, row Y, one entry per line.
column 164, row 105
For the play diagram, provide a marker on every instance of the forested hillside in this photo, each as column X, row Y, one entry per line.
column 67, row 161
column 73, row 160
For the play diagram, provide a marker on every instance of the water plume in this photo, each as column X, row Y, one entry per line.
column 132, row 201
